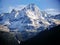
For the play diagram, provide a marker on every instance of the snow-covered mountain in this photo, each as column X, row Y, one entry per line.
column 28, row 21
column 56, row 17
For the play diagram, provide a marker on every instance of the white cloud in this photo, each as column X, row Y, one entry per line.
column 52, row 11
column 19, row 7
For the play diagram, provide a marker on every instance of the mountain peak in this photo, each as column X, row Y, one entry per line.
column 31, row 6
column 13, row 10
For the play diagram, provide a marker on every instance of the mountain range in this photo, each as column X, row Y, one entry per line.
column 28, row 21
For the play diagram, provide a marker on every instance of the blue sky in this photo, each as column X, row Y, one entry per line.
column 42, row 4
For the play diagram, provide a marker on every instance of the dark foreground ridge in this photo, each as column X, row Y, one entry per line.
column 7, row 39
column 47, row 37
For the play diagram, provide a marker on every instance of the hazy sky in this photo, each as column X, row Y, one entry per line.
column 5, row 5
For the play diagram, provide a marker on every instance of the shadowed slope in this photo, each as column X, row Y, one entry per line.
column 48, row 37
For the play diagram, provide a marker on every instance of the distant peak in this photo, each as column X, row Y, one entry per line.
column 13, row 10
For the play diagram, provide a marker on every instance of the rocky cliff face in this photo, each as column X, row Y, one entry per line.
column 4, row 28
